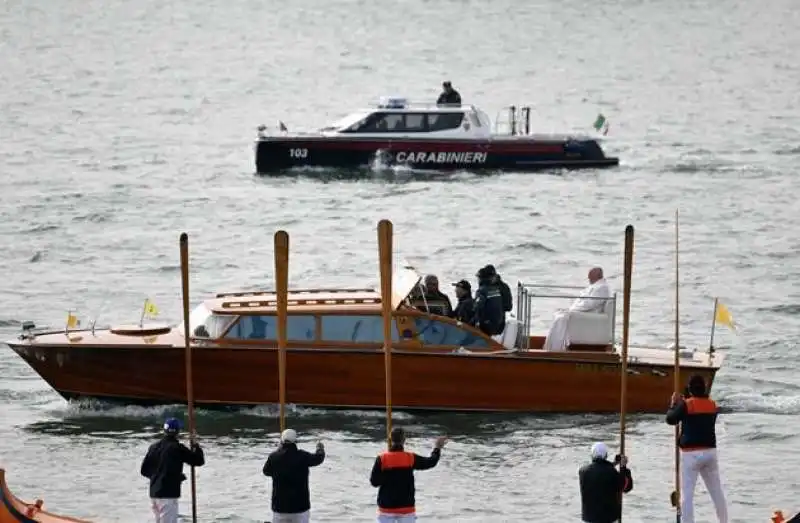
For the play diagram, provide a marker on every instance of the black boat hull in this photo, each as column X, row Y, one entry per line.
column 274, row 154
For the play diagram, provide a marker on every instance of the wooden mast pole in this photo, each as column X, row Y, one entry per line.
column 626, row 314
column 675, row 496
column 385, row 233
column 282, row 296
column 184, row 247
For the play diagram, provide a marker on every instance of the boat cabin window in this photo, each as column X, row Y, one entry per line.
column 417, row 122
column 205, row 324
column 356, row 329
column 444, row 121
column 298, row 328
column 433, row 332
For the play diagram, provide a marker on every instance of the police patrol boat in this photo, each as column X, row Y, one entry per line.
column 427, row 136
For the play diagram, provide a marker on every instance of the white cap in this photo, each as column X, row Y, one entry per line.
column 289, row 436
column 599, row 450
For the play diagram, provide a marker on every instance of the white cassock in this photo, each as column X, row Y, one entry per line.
column 557, row 335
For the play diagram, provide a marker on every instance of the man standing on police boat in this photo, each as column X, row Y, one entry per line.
column 393, row 474
column 163, row 466
column 449, row 95
column 697, row 416
column 592, row 299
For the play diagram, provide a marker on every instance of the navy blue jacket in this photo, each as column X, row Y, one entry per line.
column 163, row 466
column 698, row 417
column 489, row 315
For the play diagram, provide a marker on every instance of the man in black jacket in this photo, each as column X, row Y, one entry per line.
column 602, row 486
column 465, row 308
column 435, row 301
column 289, row 469
column 449, row 95
column 393, row 474
column 489, row 315
column 163, row 466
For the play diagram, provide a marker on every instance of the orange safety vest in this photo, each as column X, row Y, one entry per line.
column 398, row 460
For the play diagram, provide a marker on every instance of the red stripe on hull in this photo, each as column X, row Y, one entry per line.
column 426, row 146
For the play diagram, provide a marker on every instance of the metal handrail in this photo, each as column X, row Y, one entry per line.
column 524, row 307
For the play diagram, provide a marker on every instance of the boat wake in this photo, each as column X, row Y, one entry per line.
column 755, row 402
column 93, row 408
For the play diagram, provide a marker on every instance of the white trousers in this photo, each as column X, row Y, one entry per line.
column 397, row 518
column 165, row 509
column 300, row 517
column 702, row 462
column 556, row 339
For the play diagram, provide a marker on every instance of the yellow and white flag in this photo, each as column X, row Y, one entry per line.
column 723, row 316
column 72, row 320
column 150, row 308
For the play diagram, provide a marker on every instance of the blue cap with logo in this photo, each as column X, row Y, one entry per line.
column 172, row 425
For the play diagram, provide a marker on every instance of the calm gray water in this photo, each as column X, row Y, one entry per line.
column 126, row 123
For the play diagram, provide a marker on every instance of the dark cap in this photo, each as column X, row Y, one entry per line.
column 490, row 270
column 464, row 284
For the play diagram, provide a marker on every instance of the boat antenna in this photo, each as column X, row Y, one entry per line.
column 675, row 496
column 626, row 314
column 281, row 242
column 184, row 248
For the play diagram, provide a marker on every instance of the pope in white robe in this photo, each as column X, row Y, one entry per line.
column 589, row 300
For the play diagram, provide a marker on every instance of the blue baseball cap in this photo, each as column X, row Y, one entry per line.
column 172, row 425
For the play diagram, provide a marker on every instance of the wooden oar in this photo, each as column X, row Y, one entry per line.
column 282, row 292
column 184, row 243
column 385, row 260
column 675, row 496
column 626, row 315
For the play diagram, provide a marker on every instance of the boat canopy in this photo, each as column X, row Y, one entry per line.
column 395, row 115
column 204, row 323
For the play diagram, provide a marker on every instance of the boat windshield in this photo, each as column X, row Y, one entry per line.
column 205, row 324
column 344, row 123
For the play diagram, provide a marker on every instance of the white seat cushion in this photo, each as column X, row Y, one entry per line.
column 592, row 328
column 508, row 338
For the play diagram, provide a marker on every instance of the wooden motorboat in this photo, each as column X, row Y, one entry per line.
column 335, row 359
column 14, row 510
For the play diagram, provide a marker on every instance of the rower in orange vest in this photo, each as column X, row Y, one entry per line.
column 393, row 474
column 697, row 416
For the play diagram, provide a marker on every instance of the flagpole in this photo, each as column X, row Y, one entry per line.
column 144, row 311
column 184, row 245
column 385, row 232
column 282, row 292
column 713, row 325
column 626, row 312
column 675, row 496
